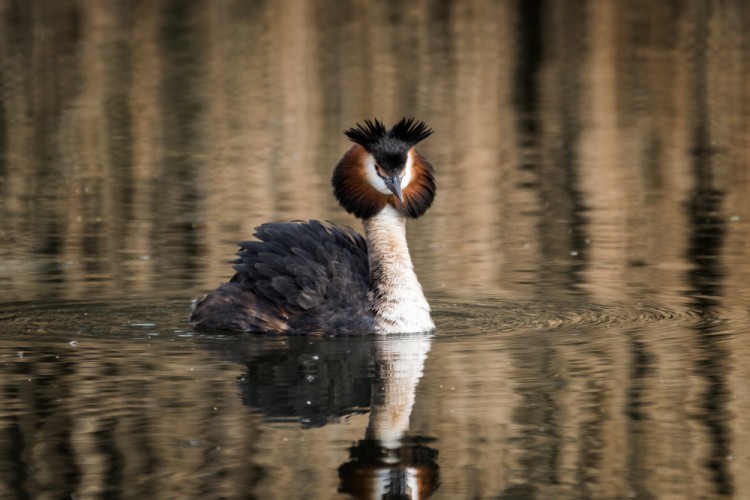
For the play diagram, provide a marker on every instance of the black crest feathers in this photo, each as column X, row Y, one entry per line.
column 410, row 131
column 407, row 130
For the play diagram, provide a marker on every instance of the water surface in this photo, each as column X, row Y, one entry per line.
column 586, row 257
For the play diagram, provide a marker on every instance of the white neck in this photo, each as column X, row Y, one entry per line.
column 395, row 292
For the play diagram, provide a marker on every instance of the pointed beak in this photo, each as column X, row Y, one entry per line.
column 394, row 184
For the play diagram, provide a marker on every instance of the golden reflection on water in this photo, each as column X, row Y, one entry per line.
column 143, row 141
column 140, row 143
column 588, row 150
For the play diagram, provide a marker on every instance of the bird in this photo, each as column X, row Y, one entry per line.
column 323, row 279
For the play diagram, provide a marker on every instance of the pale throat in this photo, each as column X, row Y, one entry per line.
column 377, row 182
column 386, row 238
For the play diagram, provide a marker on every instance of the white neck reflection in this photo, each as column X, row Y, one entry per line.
column 398, row 364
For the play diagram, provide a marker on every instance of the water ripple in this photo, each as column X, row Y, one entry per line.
column 507, row 316
column 134, row 318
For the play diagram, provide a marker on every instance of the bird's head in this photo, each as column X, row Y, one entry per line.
column 384, row 168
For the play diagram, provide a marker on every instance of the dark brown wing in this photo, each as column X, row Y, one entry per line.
column 298, row 277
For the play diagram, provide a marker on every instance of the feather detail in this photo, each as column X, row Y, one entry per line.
column 358, row 197
column 420, row 193
column 369, row 133
column 299, row 277
column 406, row 130
column 410, row 131
column 350, row 186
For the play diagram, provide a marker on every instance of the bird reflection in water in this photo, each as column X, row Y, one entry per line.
column 389, row 463
column 316, row 382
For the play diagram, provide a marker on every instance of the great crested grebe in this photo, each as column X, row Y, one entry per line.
column 319, row 278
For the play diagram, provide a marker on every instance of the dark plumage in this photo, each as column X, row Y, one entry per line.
column 373, row 133
column 299, row 277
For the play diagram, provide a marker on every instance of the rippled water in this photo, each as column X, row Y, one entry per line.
column 586, row 258
column 509, row 398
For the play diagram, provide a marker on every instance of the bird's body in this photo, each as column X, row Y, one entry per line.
column 322, row 279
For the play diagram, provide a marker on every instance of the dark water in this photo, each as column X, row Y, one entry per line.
column 587, row 256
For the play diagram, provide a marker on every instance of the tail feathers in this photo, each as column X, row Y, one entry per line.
column 233, row 307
